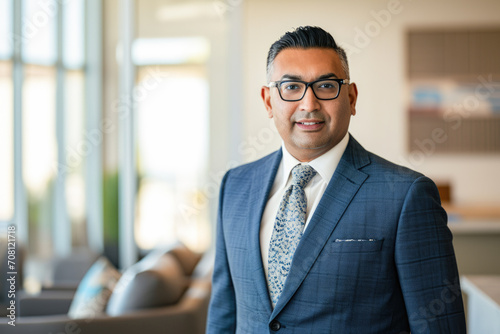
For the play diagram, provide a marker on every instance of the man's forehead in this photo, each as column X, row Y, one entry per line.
column 299, row 62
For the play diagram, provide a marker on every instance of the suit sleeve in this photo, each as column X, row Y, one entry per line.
column 222, row 308
column 426, row 263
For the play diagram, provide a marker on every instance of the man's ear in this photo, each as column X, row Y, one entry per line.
column 353, row 97
column 265, row 93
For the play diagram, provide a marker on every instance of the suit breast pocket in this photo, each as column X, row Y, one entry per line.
column 356, row 245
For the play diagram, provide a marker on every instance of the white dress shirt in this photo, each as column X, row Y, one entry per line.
column 324, row 165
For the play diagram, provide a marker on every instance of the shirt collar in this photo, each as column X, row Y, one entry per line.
column 325, row 165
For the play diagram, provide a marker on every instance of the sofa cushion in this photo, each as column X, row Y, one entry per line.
column 187, row 258
column 93, row 292
column 161, row 283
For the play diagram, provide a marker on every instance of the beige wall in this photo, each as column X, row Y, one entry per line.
column 378, row 67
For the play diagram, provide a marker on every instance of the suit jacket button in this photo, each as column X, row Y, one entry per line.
column 275, row 325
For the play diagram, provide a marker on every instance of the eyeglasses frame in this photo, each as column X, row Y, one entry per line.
column 277, row 84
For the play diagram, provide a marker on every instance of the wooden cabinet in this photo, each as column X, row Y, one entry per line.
column 454, row 78
column 451, row 53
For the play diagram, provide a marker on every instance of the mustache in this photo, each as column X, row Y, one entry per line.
column 304, row 116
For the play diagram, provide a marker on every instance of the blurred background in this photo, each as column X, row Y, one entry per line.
column 118, row 118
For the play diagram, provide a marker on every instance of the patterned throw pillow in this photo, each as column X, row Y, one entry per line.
column 92, row 295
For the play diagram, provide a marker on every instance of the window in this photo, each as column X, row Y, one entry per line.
column 6, row 116
column 39, row 154
column 42, row 123
column 5, row 29
column 6, row 143
column 172, row 139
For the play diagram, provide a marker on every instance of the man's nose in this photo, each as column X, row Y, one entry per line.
column 309, row 102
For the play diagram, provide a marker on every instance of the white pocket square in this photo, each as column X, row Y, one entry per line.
column 355, row 240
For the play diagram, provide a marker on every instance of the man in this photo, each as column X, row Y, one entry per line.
column 323, row 236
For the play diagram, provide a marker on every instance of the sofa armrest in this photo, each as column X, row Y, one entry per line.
column 45, row 303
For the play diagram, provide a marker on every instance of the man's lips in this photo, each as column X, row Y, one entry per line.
column 310, row 124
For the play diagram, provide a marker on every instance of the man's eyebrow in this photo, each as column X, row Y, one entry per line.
column 298, row 77
column 328, row 76
column 290, row 77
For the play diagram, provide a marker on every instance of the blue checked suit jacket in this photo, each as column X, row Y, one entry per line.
column 377, row 256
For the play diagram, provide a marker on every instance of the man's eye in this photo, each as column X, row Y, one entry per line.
column 326, row 85
column 291, row 86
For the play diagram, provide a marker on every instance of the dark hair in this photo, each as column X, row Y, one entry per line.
column 306, row 37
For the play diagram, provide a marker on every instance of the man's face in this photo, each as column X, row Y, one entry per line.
column 310, row 127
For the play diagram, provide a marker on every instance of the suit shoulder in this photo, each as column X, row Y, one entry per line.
column 398, row 180
column 383, row 167
column 377, row 167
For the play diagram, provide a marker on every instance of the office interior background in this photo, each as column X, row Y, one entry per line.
column 118, row 118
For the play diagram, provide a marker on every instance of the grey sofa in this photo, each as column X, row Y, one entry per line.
column 47, row 312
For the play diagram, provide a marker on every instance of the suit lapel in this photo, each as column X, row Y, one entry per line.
column 262, row 182
column 342, row 188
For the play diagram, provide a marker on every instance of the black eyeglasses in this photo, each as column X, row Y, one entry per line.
column 295, row 90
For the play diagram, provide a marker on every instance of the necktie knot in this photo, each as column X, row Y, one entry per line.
column 302, row 174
